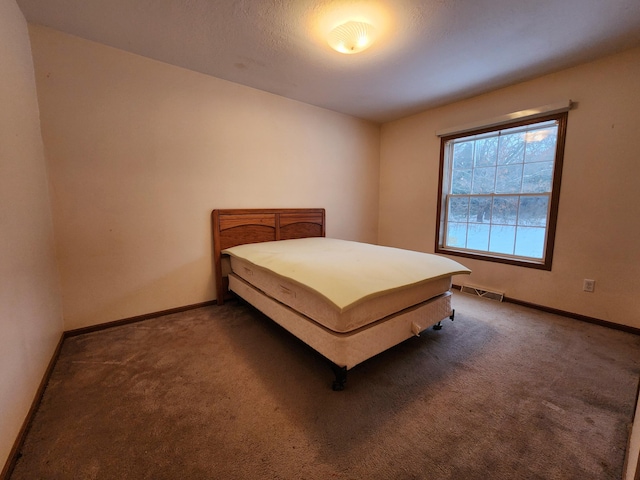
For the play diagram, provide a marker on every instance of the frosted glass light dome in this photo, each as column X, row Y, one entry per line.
column 351, row 37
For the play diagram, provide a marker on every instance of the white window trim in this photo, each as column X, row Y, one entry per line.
column 530, row 113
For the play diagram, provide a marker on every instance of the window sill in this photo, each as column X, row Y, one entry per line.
column 488, row 257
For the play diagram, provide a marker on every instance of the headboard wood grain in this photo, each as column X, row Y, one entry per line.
column 233, row 227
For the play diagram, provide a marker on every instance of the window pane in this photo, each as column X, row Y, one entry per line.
column 533, row 211
column 530, row 242
column 486, row 152
column 511, row 149
column 463, row 155
column 478, row 236
column 502, row 239
column 456, row 234
column 461, row 181
column 484, row 180
column 505, row 210
column 480, row 209
column 541, row 145
column 459, row 209
column 537, row 177
column 509, row 178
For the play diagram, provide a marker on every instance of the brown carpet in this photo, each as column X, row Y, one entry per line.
column 504, row 392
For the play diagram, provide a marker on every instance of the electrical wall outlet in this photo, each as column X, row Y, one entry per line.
column 588, row 285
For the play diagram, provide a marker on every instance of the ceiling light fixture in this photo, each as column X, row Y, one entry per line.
column 351, row 37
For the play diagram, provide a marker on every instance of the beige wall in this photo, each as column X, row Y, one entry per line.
column 30, row 314
column 599, row 219
column 140, row 152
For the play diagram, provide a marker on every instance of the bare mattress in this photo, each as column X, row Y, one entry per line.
column 342, row 285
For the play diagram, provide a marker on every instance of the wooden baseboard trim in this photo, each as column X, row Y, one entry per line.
column 576, row 316
column 14, row 454
column 137, row 318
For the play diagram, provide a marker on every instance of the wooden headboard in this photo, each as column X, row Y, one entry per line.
column 239, row 226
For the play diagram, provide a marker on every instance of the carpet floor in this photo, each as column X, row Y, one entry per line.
column 503, row 392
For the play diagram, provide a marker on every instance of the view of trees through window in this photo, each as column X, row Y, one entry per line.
column 497, row 191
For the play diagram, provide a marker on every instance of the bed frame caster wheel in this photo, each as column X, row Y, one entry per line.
column 438, row 326
column 341, row 378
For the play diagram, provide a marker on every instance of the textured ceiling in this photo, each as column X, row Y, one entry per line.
column 431, row 52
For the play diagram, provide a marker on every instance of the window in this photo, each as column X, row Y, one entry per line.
column 499, row 191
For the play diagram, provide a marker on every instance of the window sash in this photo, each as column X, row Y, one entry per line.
column 516, row 223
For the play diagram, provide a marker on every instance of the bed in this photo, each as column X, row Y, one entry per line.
column 347, row 300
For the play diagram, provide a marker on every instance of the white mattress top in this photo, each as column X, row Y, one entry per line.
column 346, row 272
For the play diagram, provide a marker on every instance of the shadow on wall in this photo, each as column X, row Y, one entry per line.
column 175, row 289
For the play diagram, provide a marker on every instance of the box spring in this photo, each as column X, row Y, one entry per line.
column 351, row 348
